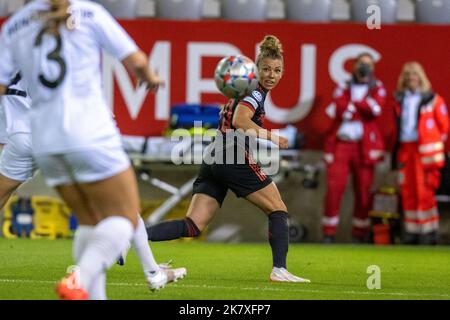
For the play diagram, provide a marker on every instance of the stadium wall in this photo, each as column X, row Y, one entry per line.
column 317, row 56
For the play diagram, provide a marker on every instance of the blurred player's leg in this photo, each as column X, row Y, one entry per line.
column 269, row 200
column 200, row 213
column 7, row 187
column 82, row 237
column 156, row 276
column 109, row 238
column 143, row 250
column 80, row 240
column 16, row 165
column 116, row 201
column 87, row 219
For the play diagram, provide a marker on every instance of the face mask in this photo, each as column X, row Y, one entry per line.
column 364, row 70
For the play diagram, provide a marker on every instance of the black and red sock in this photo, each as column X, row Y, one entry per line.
column 174, row 229
column 279, row 237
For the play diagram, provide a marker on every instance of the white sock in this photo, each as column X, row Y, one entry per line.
column 80, row 241
column 97, row 290
column 109, row 239
column 140, row 244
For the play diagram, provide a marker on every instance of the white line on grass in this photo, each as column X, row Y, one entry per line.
column 204, row 286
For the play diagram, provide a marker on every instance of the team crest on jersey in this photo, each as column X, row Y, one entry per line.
column 257, row 95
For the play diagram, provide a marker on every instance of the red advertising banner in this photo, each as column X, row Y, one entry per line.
column 317, row 56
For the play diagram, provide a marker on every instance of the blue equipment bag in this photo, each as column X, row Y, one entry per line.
column 184, row 116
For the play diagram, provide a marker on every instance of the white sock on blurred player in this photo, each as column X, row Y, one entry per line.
column 109, row 239
column 80, row 241
column 97, row 291
column 142, row 247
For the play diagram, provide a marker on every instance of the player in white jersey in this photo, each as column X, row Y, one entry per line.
column 16, row 161
column 17, row 166
column 57, row 44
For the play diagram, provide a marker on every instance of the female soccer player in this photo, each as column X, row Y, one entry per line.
column 16, row 161
column 245, row 180
column 57, row 44
column 18, row 166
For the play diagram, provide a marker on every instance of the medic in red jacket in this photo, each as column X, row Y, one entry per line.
column 423, row 124
column 353, row 145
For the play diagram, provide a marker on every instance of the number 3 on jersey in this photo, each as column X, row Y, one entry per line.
column 54, row 56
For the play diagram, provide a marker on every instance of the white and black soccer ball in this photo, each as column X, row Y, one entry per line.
column 236, row 76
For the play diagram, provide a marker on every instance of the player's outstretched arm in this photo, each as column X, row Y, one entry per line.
column 242, row 120
column 138, row 63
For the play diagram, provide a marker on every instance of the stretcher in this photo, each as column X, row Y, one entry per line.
column 161, row 153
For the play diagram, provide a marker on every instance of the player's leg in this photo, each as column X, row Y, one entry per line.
column 208, row 197
column 200, row 213
column 150, row 266
column 87, row 218
column 16, row 165
column 268, row 199
column 152, row 270
column 118, row 197
column 7, row 187
column 249, row 181
column 112, row 234
column 115, row 201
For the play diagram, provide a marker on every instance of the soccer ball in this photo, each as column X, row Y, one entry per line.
column 236, row 76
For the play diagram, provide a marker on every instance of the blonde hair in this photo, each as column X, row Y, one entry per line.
column 416, row 67
column 270, row 47
column 56, row 16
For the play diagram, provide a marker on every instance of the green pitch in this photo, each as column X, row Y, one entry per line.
column 29, row 269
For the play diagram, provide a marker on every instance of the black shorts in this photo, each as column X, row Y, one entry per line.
column 243, row 179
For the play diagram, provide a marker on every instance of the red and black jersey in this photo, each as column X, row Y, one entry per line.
column 230, row 160
column 230, row 163
column 254, row 101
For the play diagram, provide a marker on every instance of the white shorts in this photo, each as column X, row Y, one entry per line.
column 16, row 160
column 83, row 166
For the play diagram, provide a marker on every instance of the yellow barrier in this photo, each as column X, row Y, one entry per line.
column 50, row 218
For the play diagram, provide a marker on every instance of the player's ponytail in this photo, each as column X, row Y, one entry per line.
column 270, row 47
column 56, row 16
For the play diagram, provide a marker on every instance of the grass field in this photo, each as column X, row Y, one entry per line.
column 30, row 268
